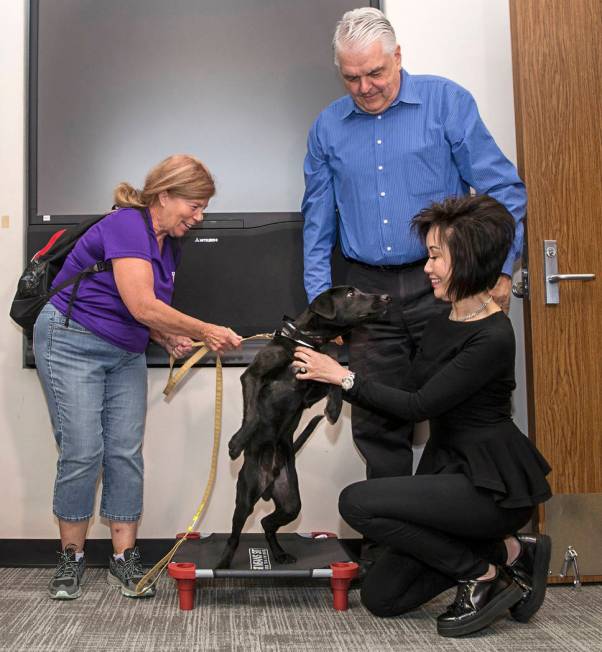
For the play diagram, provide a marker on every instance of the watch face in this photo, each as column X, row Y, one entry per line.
column 347, row 383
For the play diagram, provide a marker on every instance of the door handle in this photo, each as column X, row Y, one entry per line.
column 554, row 278
column 518, row 290
column 551, row 275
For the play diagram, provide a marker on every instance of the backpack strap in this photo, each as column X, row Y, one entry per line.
column 99, row 266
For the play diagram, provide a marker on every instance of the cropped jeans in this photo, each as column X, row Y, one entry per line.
column 96, row 395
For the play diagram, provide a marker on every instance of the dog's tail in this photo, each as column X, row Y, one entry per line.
column 304, row 436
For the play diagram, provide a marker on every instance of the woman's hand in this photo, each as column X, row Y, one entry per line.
column 178, row 345
column 220, row 338
column 311, row 365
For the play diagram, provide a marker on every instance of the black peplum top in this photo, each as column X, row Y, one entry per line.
column 464, row 375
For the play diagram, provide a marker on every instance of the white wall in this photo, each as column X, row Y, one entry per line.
column 467, row 40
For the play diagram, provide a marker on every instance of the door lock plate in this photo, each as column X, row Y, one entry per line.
column 550, row 267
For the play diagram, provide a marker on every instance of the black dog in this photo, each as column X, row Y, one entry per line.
column 273, row 403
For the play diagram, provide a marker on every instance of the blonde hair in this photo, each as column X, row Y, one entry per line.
column 182, row 175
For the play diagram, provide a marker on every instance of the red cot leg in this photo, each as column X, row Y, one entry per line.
column 185, row 575
column 342, row 574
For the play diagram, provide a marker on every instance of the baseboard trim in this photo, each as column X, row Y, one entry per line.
column 41, row 553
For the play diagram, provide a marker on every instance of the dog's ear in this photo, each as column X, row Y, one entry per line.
column 323, row 305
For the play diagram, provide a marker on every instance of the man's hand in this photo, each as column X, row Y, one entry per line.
column 501, row 292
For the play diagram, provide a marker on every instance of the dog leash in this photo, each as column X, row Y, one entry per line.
column 175, row 378
column 154, row 573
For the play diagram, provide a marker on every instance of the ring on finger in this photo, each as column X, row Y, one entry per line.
column 302, row 370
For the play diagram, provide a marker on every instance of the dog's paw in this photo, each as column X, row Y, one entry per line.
column 285, row 558
column 234, row 449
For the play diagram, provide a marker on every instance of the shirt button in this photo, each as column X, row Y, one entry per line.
column 388, row 248
column 380, row 167
column 379, row 142
column 385, row 221
column 382, row 194
column 378, row 117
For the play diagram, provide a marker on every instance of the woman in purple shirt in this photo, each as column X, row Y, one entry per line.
column 93, row 369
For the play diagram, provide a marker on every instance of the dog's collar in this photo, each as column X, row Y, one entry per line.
column 288, row 331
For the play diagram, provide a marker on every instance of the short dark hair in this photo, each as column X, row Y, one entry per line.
column 478, row 231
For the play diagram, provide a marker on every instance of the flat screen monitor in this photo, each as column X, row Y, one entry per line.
column 117, row 85
column 121, row 84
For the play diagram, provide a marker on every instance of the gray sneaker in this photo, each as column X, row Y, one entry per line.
column 126, row 574
column 66, row 582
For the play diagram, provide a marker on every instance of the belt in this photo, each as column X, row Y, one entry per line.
column 386, row 268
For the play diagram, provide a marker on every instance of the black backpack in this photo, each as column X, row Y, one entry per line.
column 34, row 287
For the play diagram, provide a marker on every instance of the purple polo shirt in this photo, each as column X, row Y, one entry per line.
column 98, row 306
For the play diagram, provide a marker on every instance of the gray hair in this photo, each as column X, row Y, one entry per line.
column 361, row 27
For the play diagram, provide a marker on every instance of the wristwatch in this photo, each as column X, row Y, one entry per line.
column 347, row 381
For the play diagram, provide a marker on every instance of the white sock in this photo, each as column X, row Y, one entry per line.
column 79, row 555
column 119, row 556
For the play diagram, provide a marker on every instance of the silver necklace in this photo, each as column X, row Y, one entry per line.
column 478, row 311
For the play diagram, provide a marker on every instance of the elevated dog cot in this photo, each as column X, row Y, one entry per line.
column 319, row 555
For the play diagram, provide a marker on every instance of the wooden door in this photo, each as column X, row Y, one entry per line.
column 557, row 61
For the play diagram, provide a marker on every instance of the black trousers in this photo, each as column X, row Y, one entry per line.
column 436, row 530
column 384, row 351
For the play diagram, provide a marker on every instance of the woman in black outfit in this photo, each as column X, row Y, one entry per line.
column 455, row 521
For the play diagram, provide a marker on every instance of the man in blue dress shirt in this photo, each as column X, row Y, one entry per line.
column 375, row 158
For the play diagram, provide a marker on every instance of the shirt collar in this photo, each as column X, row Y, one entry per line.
column 407, row 94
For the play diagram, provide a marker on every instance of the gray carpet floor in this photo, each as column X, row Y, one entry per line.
column 256, row 616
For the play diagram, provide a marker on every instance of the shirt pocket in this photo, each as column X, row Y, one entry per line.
column 426, row 170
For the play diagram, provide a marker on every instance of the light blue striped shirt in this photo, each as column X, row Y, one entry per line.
column 378, row 171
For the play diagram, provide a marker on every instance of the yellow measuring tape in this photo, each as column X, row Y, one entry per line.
column 154, row 573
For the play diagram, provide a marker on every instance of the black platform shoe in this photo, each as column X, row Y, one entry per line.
column 530, row 571
column 478, row 603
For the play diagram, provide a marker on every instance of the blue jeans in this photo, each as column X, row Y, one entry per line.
column 96, row 394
